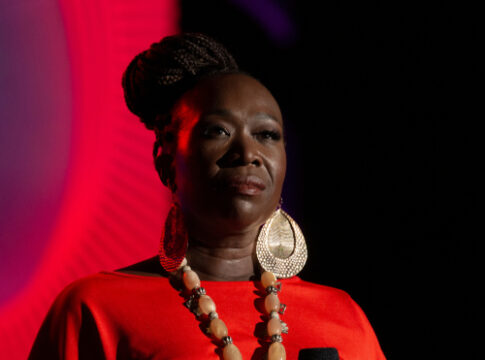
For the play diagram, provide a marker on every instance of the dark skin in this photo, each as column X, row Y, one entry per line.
column 229, row 168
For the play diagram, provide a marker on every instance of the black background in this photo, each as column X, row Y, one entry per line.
column 383, row 111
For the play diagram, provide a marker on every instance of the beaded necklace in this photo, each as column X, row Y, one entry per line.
column 204, row 309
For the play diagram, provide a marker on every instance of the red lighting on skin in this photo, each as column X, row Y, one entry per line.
column 185, row 119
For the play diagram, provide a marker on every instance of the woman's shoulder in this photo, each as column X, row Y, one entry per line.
column 92, row 283
column 334, row 311
column 87, row 302
column 318, row 297
column 319, row 290
column 106, row 285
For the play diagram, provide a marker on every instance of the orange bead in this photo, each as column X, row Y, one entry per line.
column 268, row 279
column 274, row 327
column 191, row 279
column 206, row 305
column 218, row 328
column 276, row 351
column 231, row 352
column 271, row 303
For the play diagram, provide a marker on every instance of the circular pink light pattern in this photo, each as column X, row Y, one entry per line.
column 113, row 205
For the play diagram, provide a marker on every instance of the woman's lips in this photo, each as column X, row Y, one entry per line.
column 245, row 185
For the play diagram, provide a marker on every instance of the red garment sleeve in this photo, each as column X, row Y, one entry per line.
column 369, row 343
column 68, row 330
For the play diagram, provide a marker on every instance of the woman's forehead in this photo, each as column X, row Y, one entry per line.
column 231, row 92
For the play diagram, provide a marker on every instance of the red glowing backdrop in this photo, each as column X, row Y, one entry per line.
column 97, row 201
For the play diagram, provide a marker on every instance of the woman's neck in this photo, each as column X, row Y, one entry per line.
column 230, row 259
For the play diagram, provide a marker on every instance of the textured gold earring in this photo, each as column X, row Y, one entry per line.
column 174, row 240
column 281, row 247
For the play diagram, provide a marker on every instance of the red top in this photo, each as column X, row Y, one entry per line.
column 112, row 315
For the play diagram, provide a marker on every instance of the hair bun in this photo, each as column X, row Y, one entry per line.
column 157, row 77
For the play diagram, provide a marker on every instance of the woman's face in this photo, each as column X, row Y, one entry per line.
column 230, row 159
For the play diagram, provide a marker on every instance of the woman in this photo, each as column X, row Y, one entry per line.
column 219, row 149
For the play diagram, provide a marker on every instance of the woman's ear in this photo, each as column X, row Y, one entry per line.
column 165, row 166
column 165, row 148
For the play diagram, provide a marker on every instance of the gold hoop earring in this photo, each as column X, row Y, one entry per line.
column 174, row 240
column 281, row 247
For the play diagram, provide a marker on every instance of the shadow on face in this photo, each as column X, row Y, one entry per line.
column 229, row 162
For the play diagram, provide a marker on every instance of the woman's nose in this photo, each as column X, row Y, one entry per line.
column 243, row 150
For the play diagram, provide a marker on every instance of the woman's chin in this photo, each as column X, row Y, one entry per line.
column 244, row 213
column 232, row 214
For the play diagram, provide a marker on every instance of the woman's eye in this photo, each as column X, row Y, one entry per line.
column 269, row 135
column 216, row 131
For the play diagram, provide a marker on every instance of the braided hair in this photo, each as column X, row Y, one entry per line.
column 156, row 78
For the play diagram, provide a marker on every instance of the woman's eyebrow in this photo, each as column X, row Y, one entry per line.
column 219, row 112
column 264, row 115
column 228, row 113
